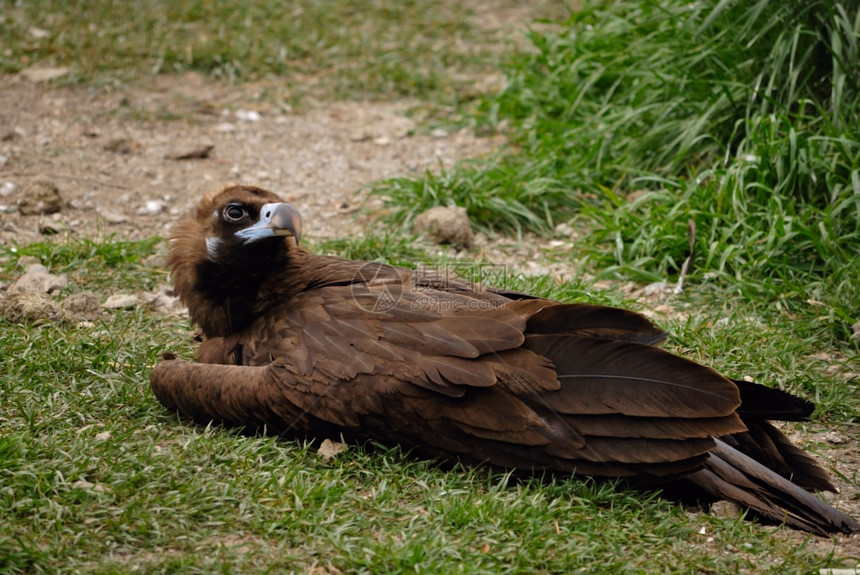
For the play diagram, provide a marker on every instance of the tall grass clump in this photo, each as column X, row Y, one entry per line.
column 641, row 115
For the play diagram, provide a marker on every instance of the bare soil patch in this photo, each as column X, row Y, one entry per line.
column 117, row 155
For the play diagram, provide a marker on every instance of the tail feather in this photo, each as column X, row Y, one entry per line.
column 770, row 447
column 729, row 474
column 761, row 402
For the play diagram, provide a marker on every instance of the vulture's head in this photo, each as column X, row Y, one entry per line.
column 239, row 237
column 243, row 222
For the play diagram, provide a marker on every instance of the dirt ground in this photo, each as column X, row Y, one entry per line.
column 112, row 154
column 115, row 155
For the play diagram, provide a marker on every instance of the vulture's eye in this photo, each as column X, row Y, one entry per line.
column 234, row 213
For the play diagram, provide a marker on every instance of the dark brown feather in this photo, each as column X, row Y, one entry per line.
column 313, row 346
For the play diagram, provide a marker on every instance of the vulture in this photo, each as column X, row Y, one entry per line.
column 313, row 346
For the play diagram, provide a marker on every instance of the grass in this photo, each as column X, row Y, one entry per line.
column 636, row 117
column 617, row 123
column 97, row 477
column 346, row 49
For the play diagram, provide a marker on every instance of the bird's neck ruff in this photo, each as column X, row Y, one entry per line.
column 223, row 295
column 231, row 294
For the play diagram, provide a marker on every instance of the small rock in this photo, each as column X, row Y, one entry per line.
column 28, row 261
column 439, row 133
column 382, row 141
column 446, row 225
column 656, row 288
column 248, row 115
column 828, row 496
column 104, row 436
column 151, row 208
column 164, row 301
column 330, row 449
column 40, row 196
column 855, row 331
column 50, row 228
column 121, row 301
column 112, row 217
column 834, row 438
column 90, row 486
column 7, row 188
column 225, row 127
column 199, row 152
column 83, row 306
column 120, row 145
column 565, row 230
column 30, row 306
column 725, row 509
column 39, row 75
column 38, row 33
column 37, row 279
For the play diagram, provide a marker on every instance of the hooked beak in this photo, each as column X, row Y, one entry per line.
column 275, row 220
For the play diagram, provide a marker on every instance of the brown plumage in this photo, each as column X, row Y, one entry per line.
column 317, row 346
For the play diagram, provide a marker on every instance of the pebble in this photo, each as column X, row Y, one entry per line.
column 151, row 208
column 112, row 217
column 330, row 449
column 446, row 225
column 834, row 438
column 164, row 301
column 725, row 509
column 37, row 279
column 29, row 306
column 82, row 306
column 41, row 196
column 248, row 115
column 198, row 152
column 121, row 301
column 7, row 188
column 565, row 230
column 50, row 228
column 39, row 75
column 119, row 145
